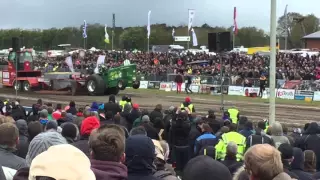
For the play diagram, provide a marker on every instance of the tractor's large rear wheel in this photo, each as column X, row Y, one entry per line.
column 95, row 85
column 136, row 85
column 26, row 86
column 17, row 85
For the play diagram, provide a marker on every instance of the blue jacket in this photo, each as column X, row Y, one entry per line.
column 206, row 139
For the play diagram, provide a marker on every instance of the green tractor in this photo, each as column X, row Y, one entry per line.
column 111, row 81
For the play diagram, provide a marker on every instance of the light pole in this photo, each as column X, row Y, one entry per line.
column 272, row 69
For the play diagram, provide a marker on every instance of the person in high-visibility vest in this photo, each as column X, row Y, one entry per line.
column 125, row 100
column 234, row 115
column 232, row 136
column 188, row 104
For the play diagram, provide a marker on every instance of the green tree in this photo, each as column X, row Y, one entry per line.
column 134, row 38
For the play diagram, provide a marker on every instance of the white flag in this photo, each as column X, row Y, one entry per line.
column 173, row 32
column 99, row 61
column 106, row 35
column 68, row 61
column 194, row 38
column 148, row 27
column 191, row 18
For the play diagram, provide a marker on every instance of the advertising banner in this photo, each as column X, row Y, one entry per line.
column 316, row 96
column 250, row 90
column 235, row 90
column 154, row 85
column 285, row 93
column 143, row 85
column 165, row 85
column 195, row 88
column 302, row 95
column 0, row 77
column 174, row 86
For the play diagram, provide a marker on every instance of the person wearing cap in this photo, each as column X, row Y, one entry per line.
column 125, row 100
column 54, row 165
column 133, row 115
column 188, row 104
column 287, row 158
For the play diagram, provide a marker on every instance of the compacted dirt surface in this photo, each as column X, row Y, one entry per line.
column 292, row 115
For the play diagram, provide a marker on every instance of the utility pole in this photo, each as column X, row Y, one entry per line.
column 272, row 72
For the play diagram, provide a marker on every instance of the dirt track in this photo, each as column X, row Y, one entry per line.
column 286, row 113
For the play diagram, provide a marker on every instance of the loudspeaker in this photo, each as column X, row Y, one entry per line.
column 219, row 42
column 212, row 42
column 225, row 41
column 15, row 44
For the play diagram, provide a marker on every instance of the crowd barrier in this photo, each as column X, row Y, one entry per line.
column 290, row 94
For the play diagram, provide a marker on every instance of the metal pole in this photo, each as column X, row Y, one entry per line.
column 189, row 39
column 233, row 39
column 272, row 72
column 148, row 45
column 112, row 40
column 221, row 85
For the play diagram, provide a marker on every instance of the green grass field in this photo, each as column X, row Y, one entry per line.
column 226, row 97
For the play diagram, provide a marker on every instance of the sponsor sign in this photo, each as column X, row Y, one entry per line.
column 195, row 88
column 143, row 85
column 154, row 85
column 316, row 96
column 250, row 90
column 174, row 87
column 0, row 77
column 165, row 85
column 182, row 38
column 302, row 95
column 285, row 93
column 235, row 90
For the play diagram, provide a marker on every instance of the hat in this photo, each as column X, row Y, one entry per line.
column 286, row 151
column 43, row 113
column 158, row 149
column 188, row 99
column 52, row 124
column 205, row 168
column 52, row 164
column 69, row 130
column 89, row 124
column 145, row 119
column 171, row 109
column 135, row 106
column 42, row 142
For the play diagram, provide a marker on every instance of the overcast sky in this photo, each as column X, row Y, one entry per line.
column 29, row 14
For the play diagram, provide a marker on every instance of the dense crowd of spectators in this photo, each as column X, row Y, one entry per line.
column 114, row 141
column 234, row 65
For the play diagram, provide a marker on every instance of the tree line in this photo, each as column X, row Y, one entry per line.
column 161, row 34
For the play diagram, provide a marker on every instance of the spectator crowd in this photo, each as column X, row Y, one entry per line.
column 235, row 65
column 119, row 141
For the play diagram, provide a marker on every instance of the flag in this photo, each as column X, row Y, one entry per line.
column 84, row 28
column 191, row 17
column 235, row 26
column 148, row 27
column 173, row 32
column 68, row 61
column 194, row 38
column 106, row 35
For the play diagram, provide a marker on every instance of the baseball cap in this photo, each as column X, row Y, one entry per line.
column 52, row 164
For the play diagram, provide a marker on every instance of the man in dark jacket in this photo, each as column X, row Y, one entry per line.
column 112, row 105
column 188, row 84
column 156, row 113
column 107, row 145
column 179, row 139
column 9, row 137
column 22, row 147
column 231, row 158
column 140, row 155
column 310, row 141
column 286, row 151
column 72, row 108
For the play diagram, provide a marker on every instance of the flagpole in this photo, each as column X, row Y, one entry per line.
column 188, row 30
column 112, row 41
column 286, row 24
column 233, row 39
column 148, row 45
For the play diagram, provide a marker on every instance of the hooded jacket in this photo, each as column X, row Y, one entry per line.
column 140, row 154
column 277, row 135
column 297, row 165
column 107, row 170
column 22, row 147
column 154, row 114
column 311, row 141
column 112, row 106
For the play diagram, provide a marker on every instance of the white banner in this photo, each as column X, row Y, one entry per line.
column 195, row 88
column 285, row 93
column 99, row 62
column 182, row 38
column 316, row 96
column 149, row 24
column 165, row 85
column 250, row 90
column 69, row 63
column 191, row 18
column 235, row 90
column 143, row 85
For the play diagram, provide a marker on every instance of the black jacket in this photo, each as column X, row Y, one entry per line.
column 22, row 147
column 297, row 165
column 154, row 114
column 83, row 145
column 311, row 141
column 113, row 107
column 72, row 110
column 179, row 132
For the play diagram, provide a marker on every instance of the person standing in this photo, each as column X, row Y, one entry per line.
column 188, row 82
column 263, row 81
column 179, row 81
